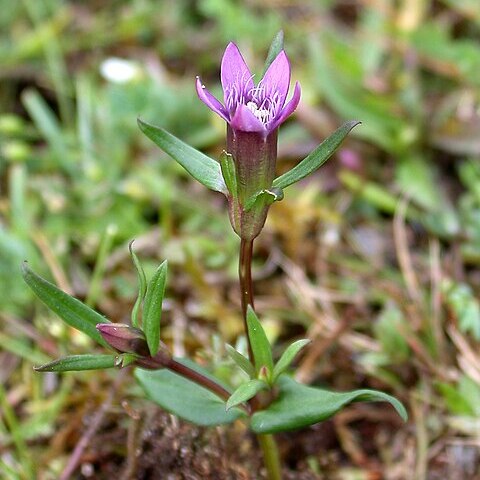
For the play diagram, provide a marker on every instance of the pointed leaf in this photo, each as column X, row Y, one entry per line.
column 287, row 357
column 75, row 363
column 185, row 398
column 245, row 392
column 69, row 309
column 243, row 362
column 152, row 308
column 201, row 167
column 317, row 158
column 298, row 406
column 142, row 284
column 262, row 352
column 275, row 48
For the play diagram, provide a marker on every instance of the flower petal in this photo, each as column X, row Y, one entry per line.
column 210, row 101
column 234, row 71
column 288, row 109
column 246, row 121
column 277, row 78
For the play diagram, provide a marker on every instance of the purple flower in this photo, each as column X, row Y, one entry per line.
column 253, row 114
column 248, row 107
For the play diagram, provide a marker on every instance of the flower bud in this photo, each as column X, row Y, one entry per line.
column 124, row 338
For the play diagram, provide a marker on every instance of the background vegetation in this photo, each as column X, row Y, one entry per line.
column 375, row 258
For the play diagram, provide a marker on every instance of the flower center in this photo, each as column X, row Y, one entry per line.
column 263, row 103
column 261, row 113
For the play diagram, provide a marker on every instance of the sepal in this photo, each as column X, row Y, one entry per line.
column 264, row 198
column 227, row 165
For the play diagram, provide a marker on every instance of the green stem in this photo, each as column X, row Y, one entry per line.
column 267, row 443
column 271, row 456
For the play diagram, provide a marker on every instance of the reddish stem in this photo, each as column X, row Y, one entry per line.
column 163, row 360
column 246, row 285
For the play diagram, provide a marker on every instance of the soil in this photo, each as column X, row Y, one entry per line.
column 156, row 445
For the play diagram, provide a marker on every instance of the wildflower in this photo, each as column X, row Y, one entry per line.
column 248, row 107
column 253, row 114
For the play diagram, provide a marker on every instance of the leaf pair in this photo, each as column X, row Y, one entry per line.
column 208, row 171
column 74, row 313
column 296, row 405
column 150, row 300
column 262, row 350
column 83, row 318
column 263, row 373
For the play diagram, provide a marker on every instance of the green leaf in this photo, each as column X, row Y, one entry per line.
column 186, row 399
column 262, row 352
column 243, row 362
column 463, row 398
column 229, row 173
column 74, row 363
column 287, row 357
column 245, row 392
column 464, row 305
column 455, row 401
column 142, row 284
column 69, row 309
column 470, row 389
column 390, row 322
column 152, row 308
column 201, row 167
column 298, row 406
column 275, row 48
column 317, row 158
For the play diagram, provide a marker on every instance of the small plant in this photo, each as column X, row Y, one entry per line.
column 269, row 399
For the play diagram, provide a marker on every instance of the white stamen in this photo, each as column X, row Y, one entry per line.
column 261, row 113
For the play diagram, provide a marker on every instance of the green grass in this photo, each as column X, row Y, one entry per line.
column 401, row 286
